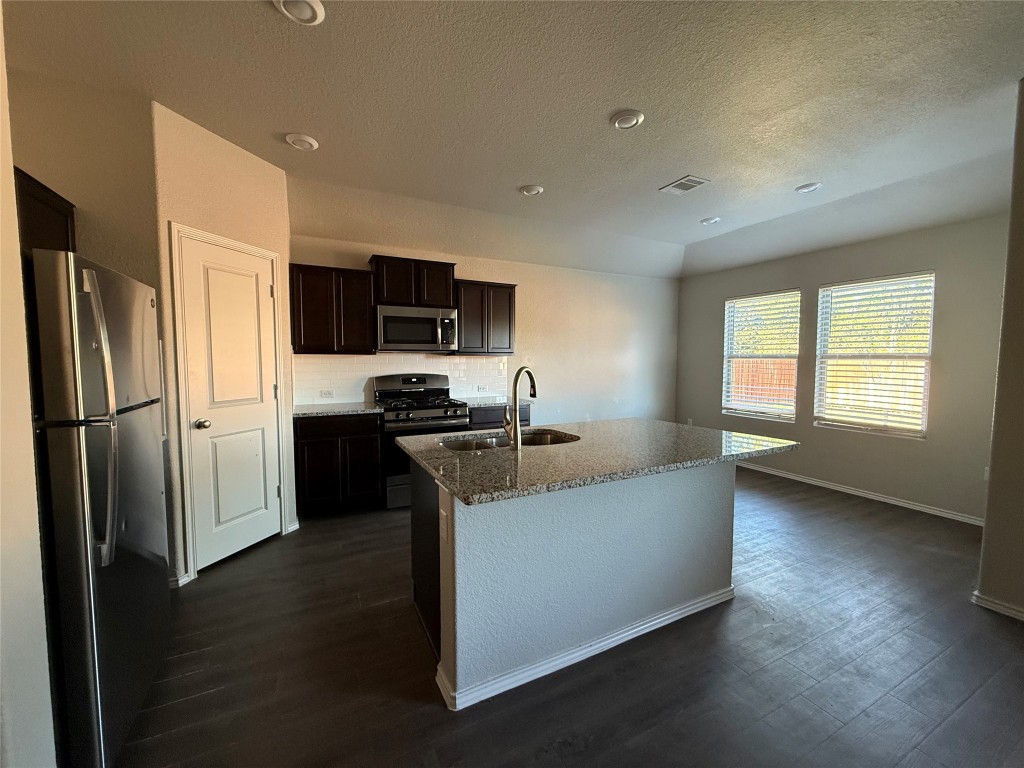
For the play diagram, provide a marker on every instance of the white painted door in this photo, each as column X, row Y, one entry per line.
column 228, row 308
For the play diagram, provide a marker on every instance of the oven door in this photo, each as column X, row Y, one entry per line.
column 416, row 329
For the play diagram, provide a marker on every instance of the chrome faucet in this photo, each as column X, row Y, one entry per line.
column 513, row 427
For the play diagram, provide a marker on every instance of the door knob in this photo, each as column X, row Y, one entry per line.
column 202, row 424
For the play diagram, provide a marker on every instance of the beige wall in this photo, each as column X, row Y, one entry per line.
column 1002, row 551
column 96, row 149
column 26, row 724
column 602, row 346
column 205, row 182
column 944, row 471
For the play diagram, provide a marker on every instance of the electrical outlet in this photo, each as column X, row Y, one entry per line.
column 326, row 393
column 689, row 422
column 481, row 387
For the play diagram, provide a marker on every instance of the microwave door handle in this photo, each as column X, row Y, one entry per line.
column 91, row 286
column 107, row 546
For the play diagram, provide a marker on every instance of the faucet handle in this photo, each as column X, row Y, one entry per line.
column 507, row 420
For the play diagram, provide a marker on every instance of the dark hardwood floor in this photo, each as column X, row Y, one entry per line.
column 851, row 642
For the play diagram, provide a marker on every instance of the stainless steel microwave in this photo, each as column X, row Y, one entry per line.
column 416, row 329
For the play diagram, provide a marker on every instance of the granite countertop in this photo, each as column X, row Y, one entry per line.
column 492, row 400
column 606, row 451
column 335, row 409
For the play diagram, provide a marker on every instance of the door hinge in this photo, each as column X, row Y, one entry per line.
column 275, row 391
column 271, row 290
column 279, row 491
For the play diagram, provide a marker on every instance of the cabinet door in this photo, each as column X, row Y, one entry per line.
column 501, row 319
column 318, row 464
column 45, row 219
column 362, row 470
column 314, row 310
column 355, row 333
column 472, row 318
column 435, row 284
column 395, row 279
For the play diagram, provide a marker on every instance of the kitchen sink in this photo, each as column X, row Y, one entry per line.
column 535, row 437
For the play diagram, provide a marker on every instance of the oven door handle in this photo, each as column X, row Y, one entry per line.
column 411, row 426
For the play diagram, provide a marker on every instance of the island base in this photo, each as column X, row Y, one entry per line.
column 531, row 585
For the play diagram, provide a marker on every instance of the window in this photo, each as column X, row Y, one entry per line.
column 762, row 339
column 874, row 354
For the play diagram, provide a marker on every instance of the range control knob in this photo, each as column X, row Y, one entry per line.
column 446, row 412
column 455, row 411
column 408, row 414
column 397, row 416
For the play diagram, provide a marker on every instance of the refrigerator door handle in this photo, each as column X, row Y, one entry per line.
column 109, row 543
column 91, row 286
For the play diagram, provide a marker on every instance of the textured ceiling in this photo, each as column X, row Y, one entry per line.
column 461, row 103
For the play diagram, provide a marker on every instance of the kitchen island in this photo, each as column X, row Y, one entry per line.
column 525, row 562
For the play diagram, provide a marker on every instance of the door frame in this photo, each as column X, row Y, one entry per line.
column 180, row 232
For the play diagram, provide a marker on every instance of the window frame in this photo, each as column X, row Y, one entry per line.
column 727, row 410
column 888, row 431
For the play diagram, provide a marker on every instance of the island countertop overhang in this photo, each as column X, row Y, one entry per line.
column 607, row 451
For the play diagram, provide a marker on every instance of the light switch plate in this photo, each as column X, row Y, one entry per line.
column 326, row 393
column 481, row 387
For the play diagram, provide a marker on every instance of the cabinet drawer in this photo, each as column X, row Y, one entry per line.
column 336, row 426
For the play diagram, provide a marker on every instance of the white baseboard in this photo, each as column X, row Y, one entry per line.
column 457, row 700
column 180, row 581
column 868, row 494
column 998, row 606
column 292, row 527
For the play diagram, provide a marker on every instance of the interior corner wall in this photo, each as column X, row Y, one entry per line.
column 208, row 183
column 1002, row 549
column 945, row 472
column 603, row 346
column 26, row 714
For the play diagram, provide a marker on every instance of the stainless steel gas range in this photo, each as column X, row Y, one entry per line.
column 413, row 403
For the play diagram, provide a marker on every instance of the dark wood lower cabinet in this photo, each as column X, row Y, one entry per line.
column 425, row 549
column 337, row 464
column 493, row 416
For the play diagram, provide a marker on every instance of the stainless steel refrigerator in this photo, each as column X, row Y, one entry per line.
column 100, row 446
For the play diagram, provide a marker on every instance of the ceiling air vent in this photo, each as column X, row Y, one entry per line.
column 684, row 184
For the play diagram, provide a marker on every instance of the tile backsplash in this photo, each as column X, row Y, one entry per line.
column 345, row 378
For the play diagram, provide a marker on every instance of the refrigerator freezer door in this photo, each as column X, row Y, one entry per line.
column 98, row 339
column 130, row 310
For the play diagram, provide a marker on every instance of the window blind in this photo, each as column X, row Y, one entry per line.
column 874, row 354
column 762, row 340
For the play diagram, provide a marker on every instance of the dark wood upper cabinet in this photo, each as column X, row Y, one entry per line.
column 487, row 318
column 436, row 284
column 413, row 283
column 395, row 279
column 501, row 319
column 45, row 219
column 472, row 318
column 332, row 310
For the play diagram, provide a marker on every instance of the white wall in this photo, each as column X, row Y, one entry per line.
column 602, row 346
column 205, row 182
column 946, row 469
column 1002, row 550
column 26, row 722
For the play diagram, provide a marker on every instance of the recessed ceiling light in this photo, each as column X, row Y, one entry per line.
column 711, row 220
column 810, row 186
column 302, row 141
column 308, row 13
column 627, row 118
column 531, row 190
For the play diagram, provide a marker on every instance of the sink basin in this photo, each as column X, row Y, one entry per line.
column 534, row 437
column 469, row 445
column 547, row 437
